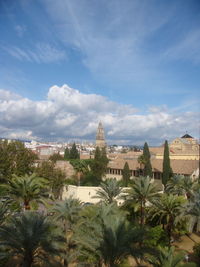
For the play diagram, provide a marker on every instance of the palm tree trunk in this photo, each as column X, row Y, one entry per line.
column 26, row 205
column 28, row 261
column 169, row 230
column 141, row 213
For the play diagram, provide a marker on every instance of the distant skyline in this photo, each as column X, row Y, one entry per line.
column 133, row 64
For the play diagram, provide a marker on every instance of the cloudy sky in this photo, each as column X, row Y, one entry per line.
column 67, row 64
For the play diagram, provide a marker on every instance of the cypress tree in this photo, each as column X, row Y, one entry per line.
column 73, row 154
column 97, row 154
column 66, row 154
column 167, row 171
column 99, row 164
column 147, row 161
column 126, row 174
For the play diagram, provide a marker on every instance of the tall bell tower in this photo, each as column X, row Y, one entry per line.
column 100, row 137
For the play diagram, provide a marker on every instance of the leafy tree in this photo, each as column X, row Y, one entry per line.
column 15, row 159
column 142, row 191
column 81, row 167
column 89, row 179
column 167, row 171
column 126, row 174
column 74, row 154
column 66, row 154
column 55, row 176
column 32, row 238
column 26, row 189
column 147, row 161
column 109, row 191
column 57, row 183
column 55, row 157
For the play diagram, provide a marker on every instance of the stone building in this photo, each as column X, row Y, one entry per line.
column 181, row 148
column 100, row 136
column 183, row 153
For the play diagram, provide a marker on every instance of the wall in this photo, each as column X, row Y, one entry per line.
column 84, row 193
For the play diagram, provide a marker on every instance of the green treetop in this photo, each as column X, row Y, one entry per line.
column 99, row 164
column 74, row 154
column 167, row 171
column 126, row 174
column 15, row 159
column 66, row 154
column 147, row 161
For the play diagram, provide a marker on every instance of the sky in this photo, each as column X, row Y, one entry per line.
column 134, row 65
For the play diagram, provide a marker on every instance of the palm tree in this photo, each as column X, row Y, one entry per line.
column 31, row 238
column 192, row 212
column 109, row 239
column 26, row 189
column 142, row 191
column 179, row 185
column 3, row 211
column 142, row 162
column 166, row 257
column 67, row 212
column 80, row 167
column 168, row 209
column 109, row 191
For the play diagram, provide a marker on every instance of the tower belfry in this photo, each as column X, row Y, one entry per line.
column 100, row 137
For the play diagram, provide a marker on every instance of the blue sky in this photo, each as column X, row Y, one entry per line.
column 143, row 57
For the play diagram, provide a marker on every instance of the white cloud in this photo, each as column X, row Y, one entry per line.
column 7, row 95
column 41, row 53
column 69, row 114
column 187, row 48
column 20, row 30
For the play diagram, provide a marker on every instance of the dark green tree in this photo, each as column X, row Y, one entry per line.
column 74, row 154
column 126, row 174
column 81, row 167
column 55, row 157
column 15, row 159
column 97, row 154
column 167, row 171
column 55, row 176
column 99, row 164
column 26, row 189
column 66, row 154
column 32, row 240
column 147, row 161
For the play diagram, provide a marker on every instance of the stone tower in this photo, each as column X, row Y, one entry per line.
column 100, row 137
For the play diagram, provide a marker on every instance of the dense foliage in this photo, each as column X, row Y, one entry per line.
column 15, row 159
column 140, row 224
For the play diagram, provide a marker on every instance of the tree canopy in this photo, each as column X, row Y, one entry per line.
column 15, row 159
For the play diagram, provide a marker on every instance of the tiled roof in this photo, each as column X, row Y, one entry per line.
column 178, row 166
